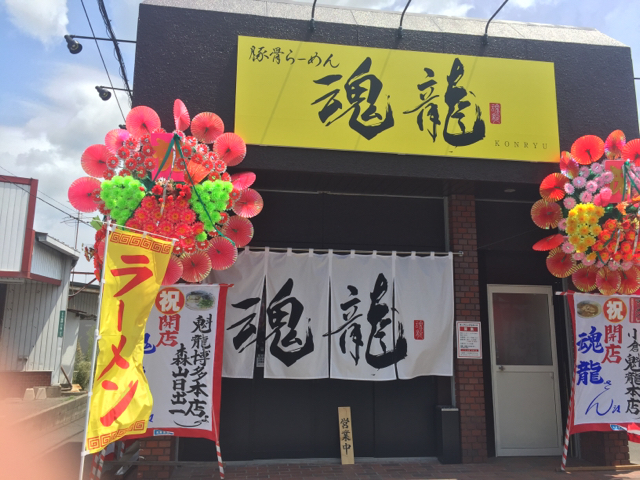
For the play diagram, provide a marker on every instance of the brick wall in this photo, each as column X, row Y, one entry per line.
column 468, row 374
column 13, row 384
column 605, row 448
column 156, row 449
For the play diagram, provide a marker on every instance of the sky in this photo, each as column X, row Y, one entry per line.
column 50, row 111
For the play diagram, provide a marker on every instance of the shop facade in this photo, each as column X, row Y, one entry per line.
column 326, row 196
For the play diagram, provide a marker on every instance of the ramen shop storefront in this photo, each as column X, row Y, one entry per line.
column 366, row 148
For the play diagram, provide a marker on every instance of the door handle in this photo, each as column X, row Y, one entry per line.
column 501, row 368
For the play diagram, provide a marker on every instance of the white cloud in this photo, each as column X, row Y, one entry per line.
column 45, row 20
column 49, row 145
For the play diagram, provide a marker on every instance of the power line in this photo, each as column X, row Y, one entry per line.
column 102, row 58
column 48, row 196
column 116, row 47
column 76, row 218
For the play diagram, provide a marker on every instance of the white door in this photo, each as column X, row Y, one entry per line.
column 526, row 397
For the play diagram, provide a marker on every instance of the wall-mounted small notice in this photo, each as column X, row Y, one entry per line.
column 469, row 339
column 346, row 435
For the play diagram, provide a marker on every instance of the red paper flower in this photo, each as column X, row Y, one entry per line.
column 544, row 214
column 585, row 278
column 219, row 166
column 180, row 115
column 142, row 121
column 123, row 153
column 629, row 281
column 568, row 166
column 113, row 161
column 189, row 216
column 183, row 230
column 195, row 267
column 614, row 144
column 552, row 187
column 149, row 203
column 165, row 227
column 80, row 194
column 150, row 163
column 94, row 160
column 560, row 264
column 230, row 148
column 587, row 149
column 130, row 163
column 608, row 281
column 549, row 243
column 631, row 151
column 174, row 270
column 207, row 127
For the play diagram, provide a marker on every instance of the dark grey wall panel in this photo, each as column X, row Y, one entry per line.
column 194, row 58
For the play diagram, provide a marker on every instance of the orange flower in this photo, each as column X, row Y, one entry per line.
column 610, row 225
column 631, row 235
column 597, row 247
column 625, row 247
column 605, row 235
column 622, row 208
column 604, row 255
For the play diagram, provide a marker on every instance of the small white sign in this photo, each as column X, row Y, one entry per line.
column 469, row 339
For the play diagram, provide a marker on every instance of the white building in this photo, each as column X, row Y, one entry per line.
column 34, row 288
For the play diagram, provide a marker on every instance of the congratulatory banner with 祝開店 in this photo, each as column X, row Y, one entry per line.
column 317, row 95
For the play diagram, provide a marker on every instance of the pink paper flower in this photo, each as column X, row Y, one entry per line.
column 586, row 197
column 597, row 168
column 569, row 189
column 588, row 262
column 607, row 177
column 579, row 182
column 562, row 224
column 569, row 203
column 592, row 186
column 568, row 248
column 584, row 172
column 577, row 256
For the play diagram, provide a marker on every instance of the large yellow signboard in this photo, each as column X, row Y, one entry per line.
column 317, row 95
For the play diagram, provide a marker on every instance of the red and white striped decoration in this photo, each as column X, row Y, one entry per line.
column 96, row 466
column 569, row 421
column 220, row 466
column 119, row 450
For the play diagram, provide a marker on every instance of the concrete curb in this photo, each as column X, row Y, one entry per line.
column 54, row 417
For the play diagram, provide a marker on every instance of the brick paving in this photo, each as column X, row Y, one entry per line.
column 525, row 468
